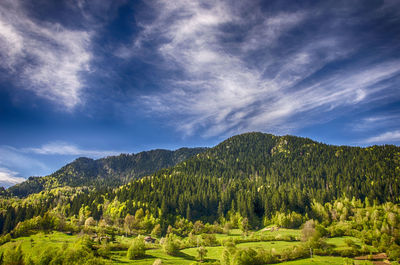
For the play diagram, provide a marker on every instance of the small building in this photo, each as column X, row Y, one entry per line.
column 149, row 239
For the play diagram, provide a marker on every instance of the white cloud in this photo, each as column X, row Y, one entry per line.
column 378, row 121
column 9, row 177
column 61, row 148
column 47, row 58
column 29, row 161
column 387, row 137
column 11, row 157
column 223, row 91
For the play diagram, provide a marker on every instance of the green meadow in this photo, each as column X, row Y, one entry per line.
column 34, row 245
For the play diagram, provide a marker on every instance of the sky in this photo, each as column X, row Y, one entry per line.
column 96, row 78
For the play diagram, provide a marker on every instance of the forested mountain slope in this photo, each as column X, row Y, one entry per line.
column 253, row 175
column 111, row 171
column 258, row 174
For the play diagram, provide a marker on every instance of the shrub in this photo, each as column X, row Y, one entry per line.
column 104, row 250
column 247, row 256
column 171, row 245
column 209, row 240
column 14, row 256
column 198, row 227
column 394, row 252
column 5, row 239
column 137, row 249
column 294, row 253
column 348, row 261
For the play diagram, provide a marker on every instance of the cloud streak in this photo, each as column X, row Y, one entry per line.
column 9, row 178
column 61, row 148
column 387, row 137
column 225, row 88
column 45, row 58
column 17, row 162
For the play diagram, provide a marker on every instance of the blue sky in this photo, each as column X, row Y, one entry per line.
column 97, row 78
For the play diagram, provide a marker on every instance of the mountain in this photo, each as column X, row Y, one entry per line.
column 111, row 171
column 252, row 175
column 259, row 174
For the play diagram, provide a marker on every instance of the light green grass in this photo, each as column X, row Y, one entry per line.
column 43, row 241
column 40, row 242
column 274, row 246
column 323, row 260
column 151, row 255
column 339, row 242
column 283, row 232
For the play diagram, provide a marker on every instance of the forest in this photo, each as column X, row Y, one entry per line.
column 310, row 199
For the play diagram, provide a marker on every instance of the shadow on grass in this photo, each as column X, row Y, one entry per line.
column 210, row 260
column 184, row 256
column 116, row 259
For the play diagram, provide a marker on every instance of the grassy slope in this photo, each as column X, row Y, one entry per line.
column 42, row 241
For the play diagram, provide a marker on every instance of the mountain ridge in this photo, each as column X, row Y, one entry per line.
column 112, row 170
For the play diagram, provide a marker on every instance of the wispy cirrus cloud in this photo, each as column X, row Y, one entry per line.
column 11, row 157
column 14, row 164
column 17, row 163
column 62, row 148
column 387, row 137
column 376, row 122
column 45, row 58
column 252, row 79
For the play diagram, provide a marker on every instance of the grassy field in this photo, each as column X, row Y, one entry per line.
column 281, row 232
column 318, row 260
column 36, row 244
column 188, row 255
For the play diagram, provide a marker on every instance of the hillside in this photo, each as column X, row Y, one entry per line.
column 258, row 174
column 254, row 175
column 112, row 171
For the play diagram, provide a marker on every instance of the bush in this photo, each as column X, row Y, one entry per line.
column 209, row 240
column 293, row 253
column 137, row 249
column 394, row 252
column 14, row 256
column 171, row 245
column 348, row 261
column 104, row 250
column 5, row 239
column 247, row 256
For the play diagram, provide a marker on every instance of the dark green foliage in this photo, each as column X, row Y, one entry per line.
column 260, row 174
column 247, row 181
